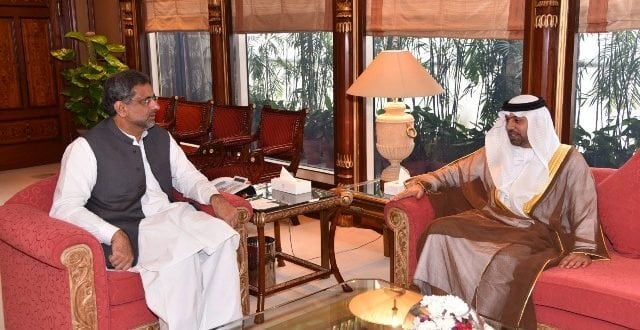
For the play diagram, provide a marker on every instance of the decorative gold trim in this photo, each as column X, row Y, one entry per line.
column 554, row 165
column 546, row 21
column 344, row 27
column 344, row 16
column 548, row 3
column 398, row 222
column 150, row 326
column 127, row 17
column 344, row 161
column 242, row 257
column 79, row 262
column 215, row 16
column 346, row 197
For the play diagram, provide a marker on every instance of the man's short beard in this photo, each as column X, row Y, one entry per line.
column 516, row 142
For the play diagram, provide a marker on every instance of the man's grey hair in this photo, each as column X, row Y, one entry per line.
column 119, row 87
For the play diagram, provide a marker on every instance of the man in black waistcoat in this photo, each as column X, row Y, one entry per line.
column 117, row 181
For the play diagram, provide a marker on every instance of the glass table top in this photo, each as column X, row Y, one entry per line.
column 268, row 199
column 368, row 305
column 372, row 188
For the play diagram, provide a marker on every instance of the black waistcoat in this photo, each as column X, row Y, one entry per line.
column 120, row 182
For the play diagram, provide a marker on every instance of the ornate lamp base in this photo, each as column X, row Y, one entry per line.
column 395, row 133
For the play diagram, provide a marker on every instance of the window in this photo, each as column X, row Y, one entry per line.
column 181, row 64
column 607, row 127
column 478, row 75
column 294, row 71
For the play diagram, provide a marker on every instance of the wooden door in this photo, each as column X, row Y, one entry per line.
column 34, row 127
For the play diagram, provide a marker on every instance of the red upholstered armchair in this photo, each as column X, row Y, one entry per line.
column 54, row 274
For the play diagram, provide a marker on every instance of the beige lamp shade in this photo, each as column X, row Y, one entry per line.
column 395, row 74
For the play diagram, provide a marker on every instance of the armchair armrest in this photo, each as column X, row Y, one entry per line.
column 234, row 141
column 63, row 264
column 410, row 217
column 198, row 135
column 34, row 233
column 407, row 218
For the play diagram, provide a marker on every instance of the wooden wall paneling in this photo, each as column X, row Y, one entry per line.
column 220, row 45
column 34, row 127
column 10, row 97
column 133, row 35
column 349, row 119
column 38, row 62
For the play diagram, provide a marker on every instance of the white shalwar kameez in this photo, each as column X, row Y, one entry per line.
column 187, row 258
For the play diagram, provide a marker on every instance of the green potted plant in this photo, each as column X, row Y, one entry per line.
column 84, row 81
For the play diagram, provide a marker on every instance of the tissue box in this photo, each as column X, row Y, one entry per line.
column 392, row 187
column 295, row 186
column 290, row 199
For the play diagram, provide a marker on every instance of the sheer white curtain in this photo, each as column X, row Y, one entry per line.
column 184, row 65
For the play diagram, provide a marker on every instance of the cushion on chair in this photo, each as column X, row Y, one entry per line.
column 229, row 121
column 277, row 129
column 618, row 197
column 606, row 290
column 124, row 287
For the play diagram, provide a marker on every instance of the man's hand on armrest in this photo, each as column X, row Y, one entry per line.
column 413, row 188
column 224, row 210
column 575, row 260
column 121, row 251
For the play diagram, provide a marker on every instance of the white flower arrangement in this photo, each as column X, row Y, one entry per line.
column 444, row 312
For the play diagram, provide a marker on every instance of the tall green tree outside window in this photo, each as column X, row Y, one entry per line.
column 607, row 124
column 477, row 76
column 293, row 71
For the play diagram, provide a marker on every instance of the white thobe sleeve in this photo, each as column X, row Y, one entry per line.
column 186, row 178
column 78, row 173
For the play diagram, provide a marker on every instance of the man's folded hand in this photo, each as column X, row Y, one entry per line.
column 121, row 251
column 224, row 210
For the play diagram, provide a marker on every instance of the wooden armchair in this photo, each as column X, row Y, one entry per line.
column 165, row 117
column 192, row 121
column 279, row 136
column 54, row 274
column 231, row 127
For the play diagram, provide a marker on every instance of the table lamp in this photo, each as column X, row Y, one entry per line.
column 386, row 306
column 394, row 74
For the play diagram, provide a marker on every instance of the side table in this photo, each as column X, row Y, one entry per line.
column 367, row 208
column 329, row 204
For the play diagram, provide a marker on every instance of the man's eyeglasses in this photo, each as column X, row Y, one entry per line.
column 145, row 101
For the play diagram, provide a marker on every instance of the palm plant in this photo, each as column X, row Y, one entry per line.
column 612, row 98
column 487, row 71
column 84, row 81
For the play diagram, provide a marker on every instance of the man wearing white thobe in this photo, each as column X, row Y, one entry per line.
column 116, row 182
